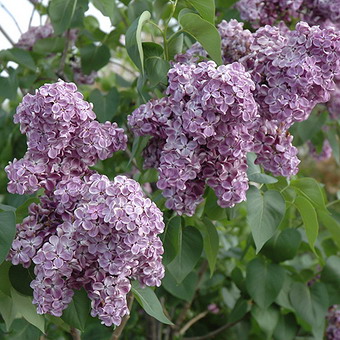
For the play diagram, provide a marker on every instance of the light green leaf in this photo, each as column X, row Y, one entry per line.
column 309, row 218
column 7, row 310
column 7, row 232
column 210, row 241
column 61, row 13
column 286, row 328
column 204, row 32
column 93, row 57
column 331, row 272
column 190, row 250
column 310, row 189
column 264, row 281
column 175, row 46
column 239, row 311
column 133, row 40
column 24, row 307
column 147, row 298
column 78, row 311
column 156, row 69
column 265, row 213
column 206, row 8
column 308, row 128
column 49, row 45
column 254, row 171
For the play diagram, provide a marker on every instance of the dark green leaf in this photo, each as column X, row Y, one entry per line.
column 105, row 106
column 151, row 49
column 175, row 46
column 5, row 284
column 331, row 272
column 7, row 232
column 206, row 8
column 190, row 250
column 185, row 290
column 147, row 298
column 212, row 209
column 22, row 210
column 308, row 128
column 265, row 213
column 238, row 279
column 21, row 57
column 331, row 224
column 61, row 13
column 286, row 328
column 264, row 281
column 107, row 8
column 156, row 69
column 309, row 218
column 172, row 239
column 78, row 311
column 210, row 241
column 334, row 141
column 93, row 57
column 133, row 40
column 7, row 310
column 8, row 89
column 204, row 32
column 21, row 278
column 49, row 45
column 239, row 311
column 266, row 318
column 282, row 246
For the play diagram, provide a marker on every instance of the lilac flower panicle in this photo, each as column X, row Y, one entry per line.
column 333, row 327
column 35, row 33
column 324, row 155
column 200, row 133
column 87, row 231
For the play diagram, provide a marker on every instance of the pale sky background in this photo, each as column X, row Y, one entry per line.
column 22, row 11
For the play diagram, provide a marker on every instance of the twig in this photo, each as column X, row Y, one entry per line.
column 215, row 332
column 6, row 36
column 11, row 15
column 118, row 331
column 192, row 321
column 112, row 61
column 75, row 334
column 60, row 72
column 31, row 18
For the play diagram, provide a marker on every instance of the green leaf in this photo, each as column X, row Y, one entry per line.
column 210, row 241
column 172, row 239
column 334, row 141
column 105, row 106
column 175, row 46
column 21, row 57
column 78, row 311
column 151, row 49
column 185, row 290
column 331, row 224
column 49, row 45
column 286, row 328
column 310, row 304
column 156, row 69
column 5, row 284
column 308, row 128
column 282, row 246
column 310, row 189
column 204, row 32
column 265, row 213
column 147, row 298
column 21, row 279
column 212, row 209
column 22, row 210
column 7, row 310
column 266, row 318
column 61, row 13
column 190, row 250
column 309, row 218
column 107, row 8
column 206, row 8
column 24, row 307
column 133, row 41
column 331, row 272
column 93, row 57
column 7, row 232
column 264, row 281
column 8, row 88
column 239, row 311
column 254, row 171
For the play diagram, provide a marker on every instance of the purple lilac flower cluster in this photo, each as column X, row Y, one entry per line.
column 35, row 33
column 268, row 12
column 63, row 138
column 324, row 155
column 333, row 328
column 201, row 133
column 87, row 231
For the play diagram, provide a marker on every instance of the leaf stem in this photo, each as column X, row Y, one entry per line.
column 118, row 331
column 192, row 321
column 75, row 334
column 11, row 15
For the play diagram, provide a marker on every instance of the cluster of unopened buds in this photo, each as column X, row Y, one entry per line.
column 87, row 231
